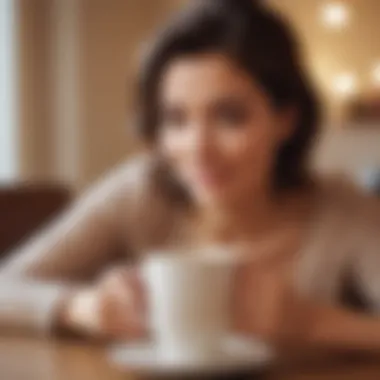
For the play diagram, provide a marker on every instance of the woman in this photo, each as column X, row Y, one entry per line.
column 229, row 117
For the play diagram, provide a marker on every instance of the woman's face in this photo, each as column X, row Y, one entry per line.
column 218, row 129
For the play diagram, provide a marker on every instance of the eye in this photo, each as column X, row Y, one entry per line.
column 173, row 117
column 231, row 114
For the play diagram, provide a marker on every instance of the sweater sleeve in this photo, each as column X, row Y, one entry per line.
column 40, row 273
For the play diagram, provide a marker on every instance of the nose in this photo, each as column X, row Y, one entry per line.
column 200, row 142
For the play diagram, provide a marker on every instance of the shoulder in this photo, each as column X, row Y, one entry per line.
column 136, row 187
column 133, row 176
column 128, row 187
column 133, row 173
column 144, row 211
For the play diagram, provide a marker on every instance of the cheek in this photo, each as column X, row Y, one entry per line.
column 171, row 145
column 251, row 148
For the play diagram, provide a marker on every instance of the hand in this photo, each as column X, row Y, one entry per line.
column 267, row 306
column 113, row 308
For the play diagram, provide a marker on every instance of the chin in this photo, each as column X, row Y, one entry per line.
column 212, row 197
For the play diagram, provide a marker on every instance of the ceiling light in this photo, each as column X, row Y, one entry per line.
column 376, row 74
column 345, row 84
column 335, row 15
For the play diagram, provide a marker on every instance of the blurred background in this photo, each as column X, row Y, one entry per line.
column 67, row 69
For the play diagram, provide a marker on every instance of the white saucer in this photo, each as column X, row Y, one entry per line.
column 237, row 355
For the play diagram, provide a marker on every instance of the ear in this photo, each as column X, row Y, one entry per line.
column 288, row 119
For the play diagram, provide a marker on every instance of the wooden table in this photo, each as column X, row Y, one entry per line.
column 36, row 359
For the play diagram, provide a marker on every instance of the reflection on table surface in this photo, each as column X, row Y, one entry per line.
column 37, row 359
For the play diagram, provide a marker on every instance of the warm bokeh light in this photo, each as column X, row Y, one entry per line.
column 376, row 75
column 335, row 15
column 345, row 84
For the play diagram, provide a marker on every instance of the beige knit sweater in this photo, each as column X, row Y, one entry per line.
column 123, row 215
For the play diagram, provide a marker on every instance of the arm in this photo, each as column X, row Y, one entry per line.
column 338, row 328
column 268, row 306
column 40, row 274
column 346, row 329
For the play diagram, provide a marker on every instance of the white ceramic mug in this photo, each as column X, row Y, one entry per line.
column 190, row 300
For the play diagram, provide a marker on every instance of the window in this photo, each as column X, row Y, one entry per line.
column 8, row 129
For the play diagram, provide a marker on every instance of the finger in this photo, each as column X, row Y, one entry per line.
column 120, row 305
column 117, row 321
column 140, row 294
column 84, row 311
column 129, row 278
column 121, row 299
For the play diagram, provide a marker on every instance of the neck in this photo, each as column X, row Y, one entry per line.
column 251, row 215
column 245, row 214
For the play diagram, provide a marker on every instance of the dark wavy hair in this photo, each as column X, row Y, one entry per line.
column 263, row 44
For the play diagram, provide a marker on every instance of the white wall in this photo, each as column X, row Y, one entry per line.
column 8, row 161
column 350, row 150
